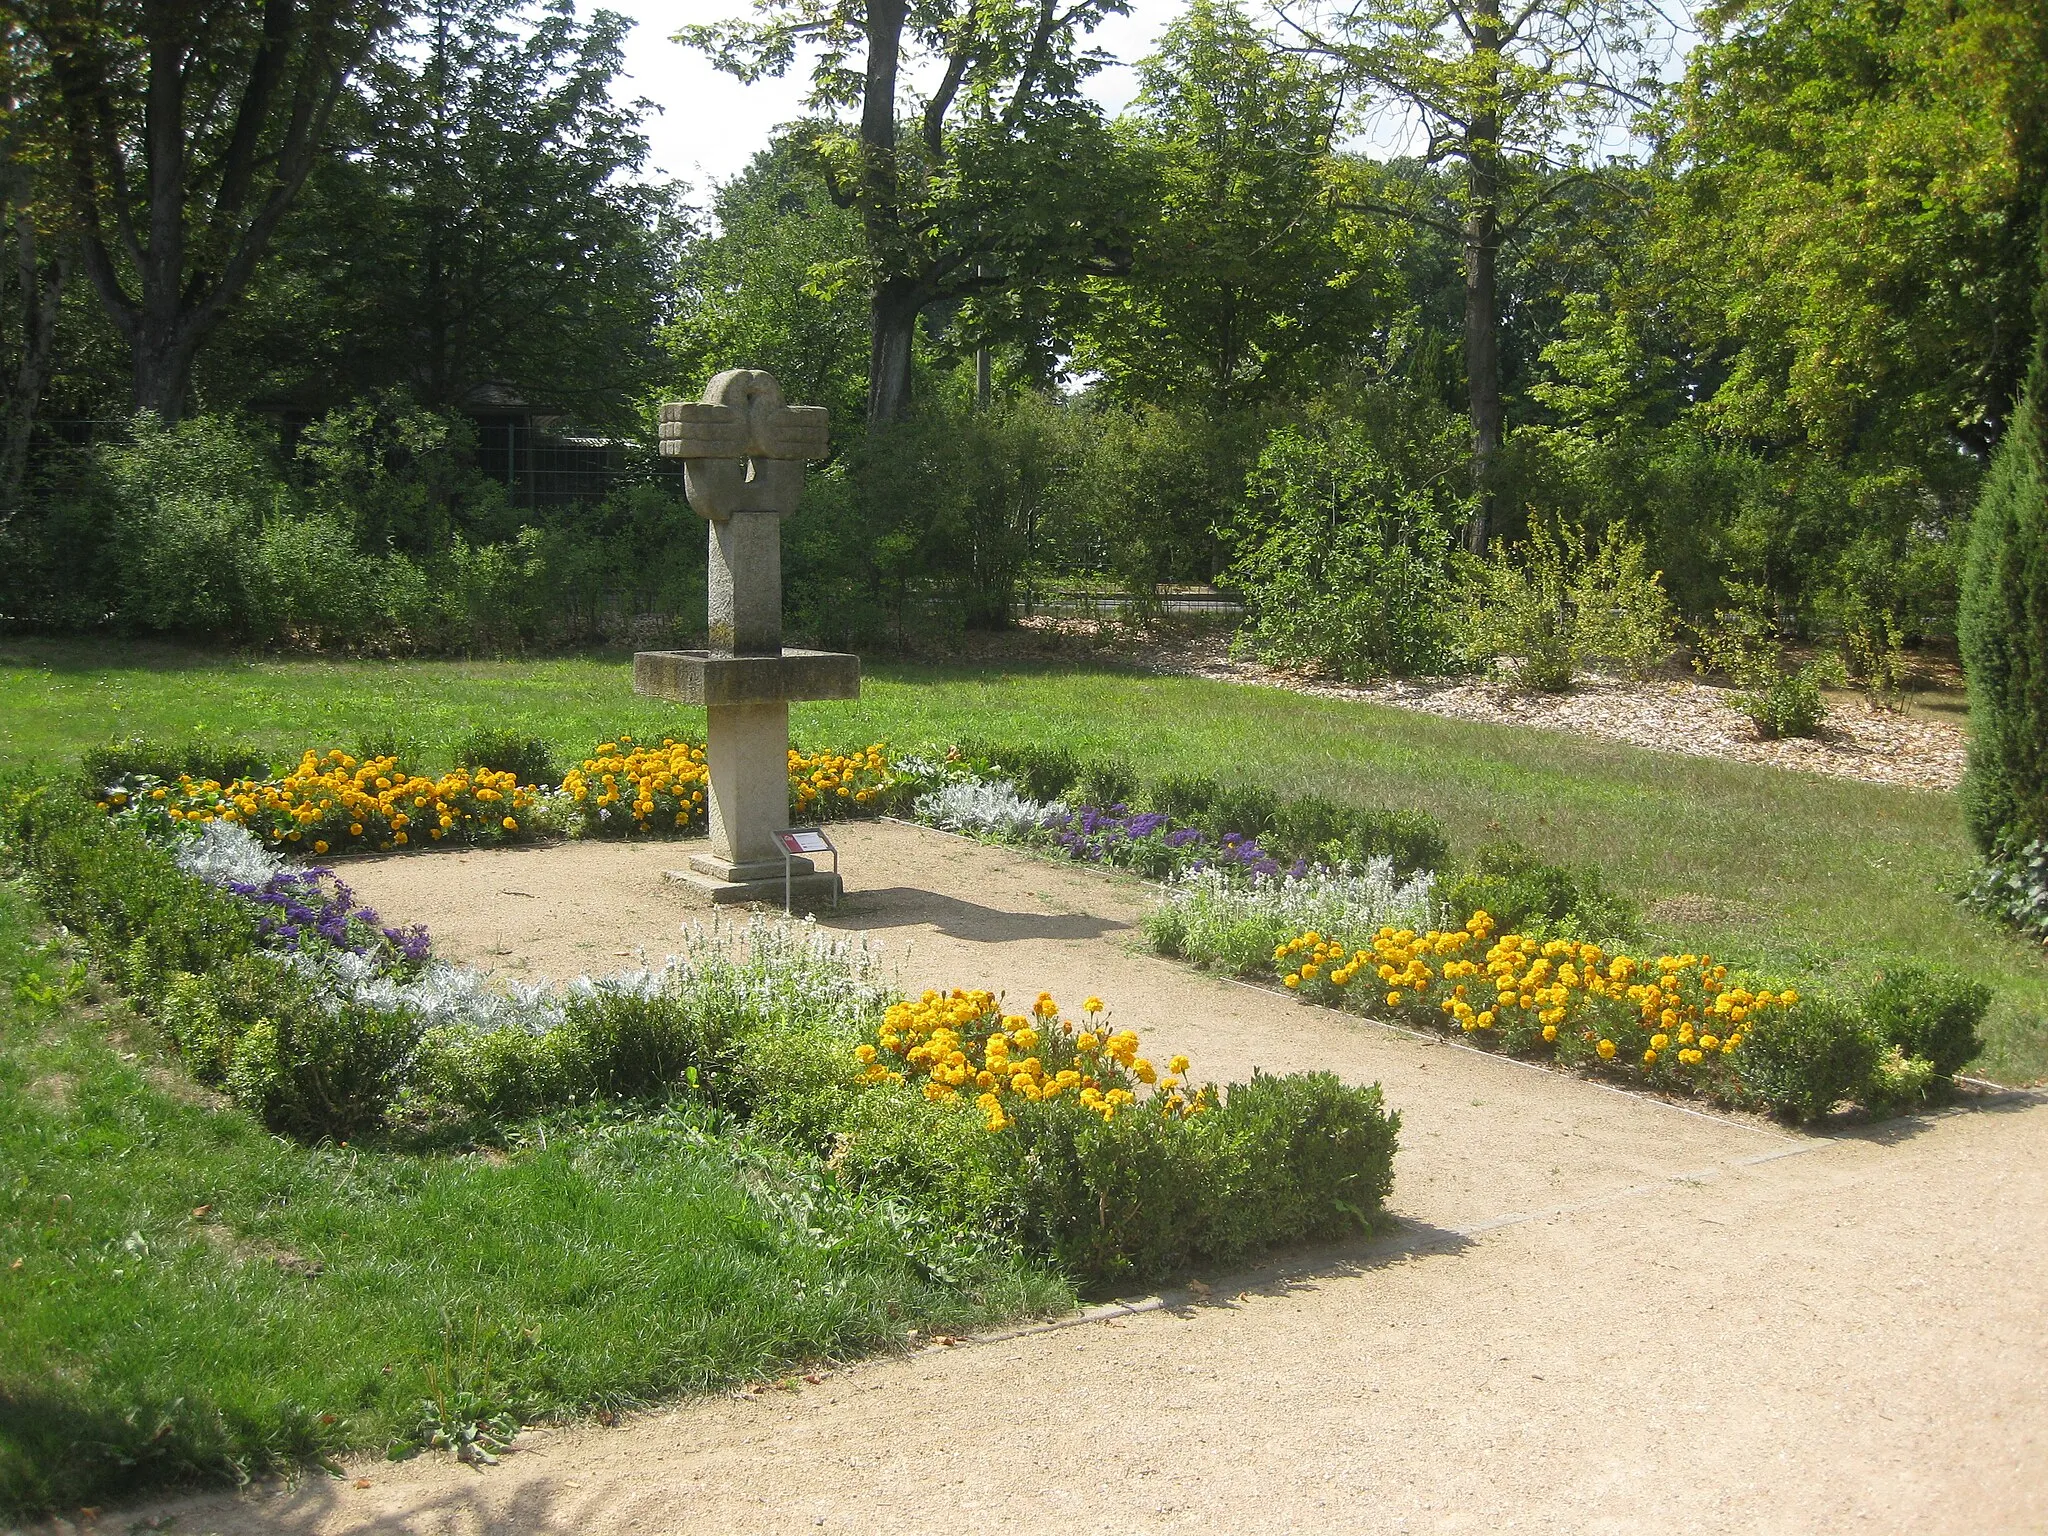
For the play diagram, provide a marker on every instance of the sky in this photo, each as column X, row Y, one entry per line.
column 710, row 125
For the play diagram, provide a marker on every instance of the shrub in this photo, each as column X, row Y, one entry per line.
column 1318, row 830
column 612, row 1042
column 138, row 756
column 1138, row 1196
column 310, row 582
column 1778, row 700
column 1560, row 601
column 527, row 758
column 1043, row 772
column 1246, row 809
column 1344, row 561
column 1931, row 1014
column 205, row 1017
column 144, row 918
column 2003, row 624
column 1108, row 781
column 1187, row 798
column 311, row 1067
column 1235, row 925
column 190, row 501
column 1518, row 890
column 1316, row 1163
column 1805, row 1060
column 301, row 1059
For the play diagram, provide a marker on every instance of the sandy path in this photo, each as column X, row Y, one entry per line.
column 1600, row 1313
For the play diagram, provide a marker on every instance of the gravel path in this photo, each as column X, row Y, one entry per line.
column 1599, row 1311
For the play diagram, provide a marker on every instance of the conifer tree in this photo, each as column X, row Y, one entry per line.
column 2003, row 624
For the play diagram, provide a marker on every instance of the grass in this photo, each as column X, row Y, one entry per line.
column 196, row 1299
column 184, row 1297
column 1827, row 877
column 1819, row 875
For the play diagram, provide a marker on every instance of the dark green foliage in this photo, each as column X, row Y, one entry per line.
column 1280, row 1160
column 1041, row 771
column 1317, row 1160
column 207, row 1016
column 1803, row 1061
column 1522, row 892
column 2003, row 626
column 1929, row 1013
column 145, row 919
column 1246, row 809
column 612, row 1044
column 314, row 1068
column 199, row 758
column 1107, row 781
column 1317, row 829
column 528, row 758
column 1186, row 797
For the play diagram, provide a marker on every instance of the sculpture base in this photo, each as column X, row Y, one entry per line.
column 805, row 890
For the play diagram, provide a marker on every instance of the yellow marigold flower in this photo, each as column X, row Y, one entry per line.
column 1550, row 1032
column 510, row 825
column 1177, row 1066
column 1606, row 1050
column 1092, row 1005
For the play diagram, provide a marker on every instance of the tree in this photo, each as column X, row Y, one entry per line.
column 1519, row 96
column 486, row 223
column 1851, row 227
column 1005, row 174
column 189, row 130
column 2004, row 625
column 1241, row 286
column 32, row 284
column 780, row 285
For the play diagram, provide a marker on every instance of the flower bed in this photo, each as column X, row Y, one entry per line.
column 1052, row 1136
column 338, row 804
column 1676, row 1023
column 949, row 1043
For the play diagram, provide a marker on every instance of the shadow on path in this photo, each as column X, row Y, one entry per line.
column 901, row 906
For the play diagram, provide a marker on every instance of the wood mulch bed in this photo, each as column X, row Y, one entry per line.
column 1915, row 748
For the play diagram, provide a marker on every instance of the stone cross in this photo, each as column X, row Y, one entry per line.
column 743, row 454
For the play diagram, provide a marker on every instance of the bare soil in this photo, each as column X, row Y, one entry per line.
column 1598, row 1312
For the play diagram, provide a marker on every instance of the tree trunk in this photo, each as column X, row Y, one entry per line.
column 1482, row 294
column 162, row 371
column 892, row 325
column 894, row 303
column 39, row 292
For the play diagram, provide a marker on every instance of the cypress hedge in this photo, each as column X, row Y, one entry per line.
column 2003, row 624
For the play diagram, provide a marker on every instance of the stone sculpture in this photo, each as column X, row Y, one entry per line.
column 743, row 453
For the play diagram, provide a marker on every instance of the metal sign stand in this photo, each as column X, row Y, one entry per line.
column 800, row 843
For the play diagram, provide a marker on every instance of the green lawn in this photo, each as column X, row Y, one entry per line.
column 186, row 1297
column 1825, row 876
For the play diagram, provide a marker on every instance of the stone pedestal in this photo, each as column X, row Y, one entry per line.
column 743, row 453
